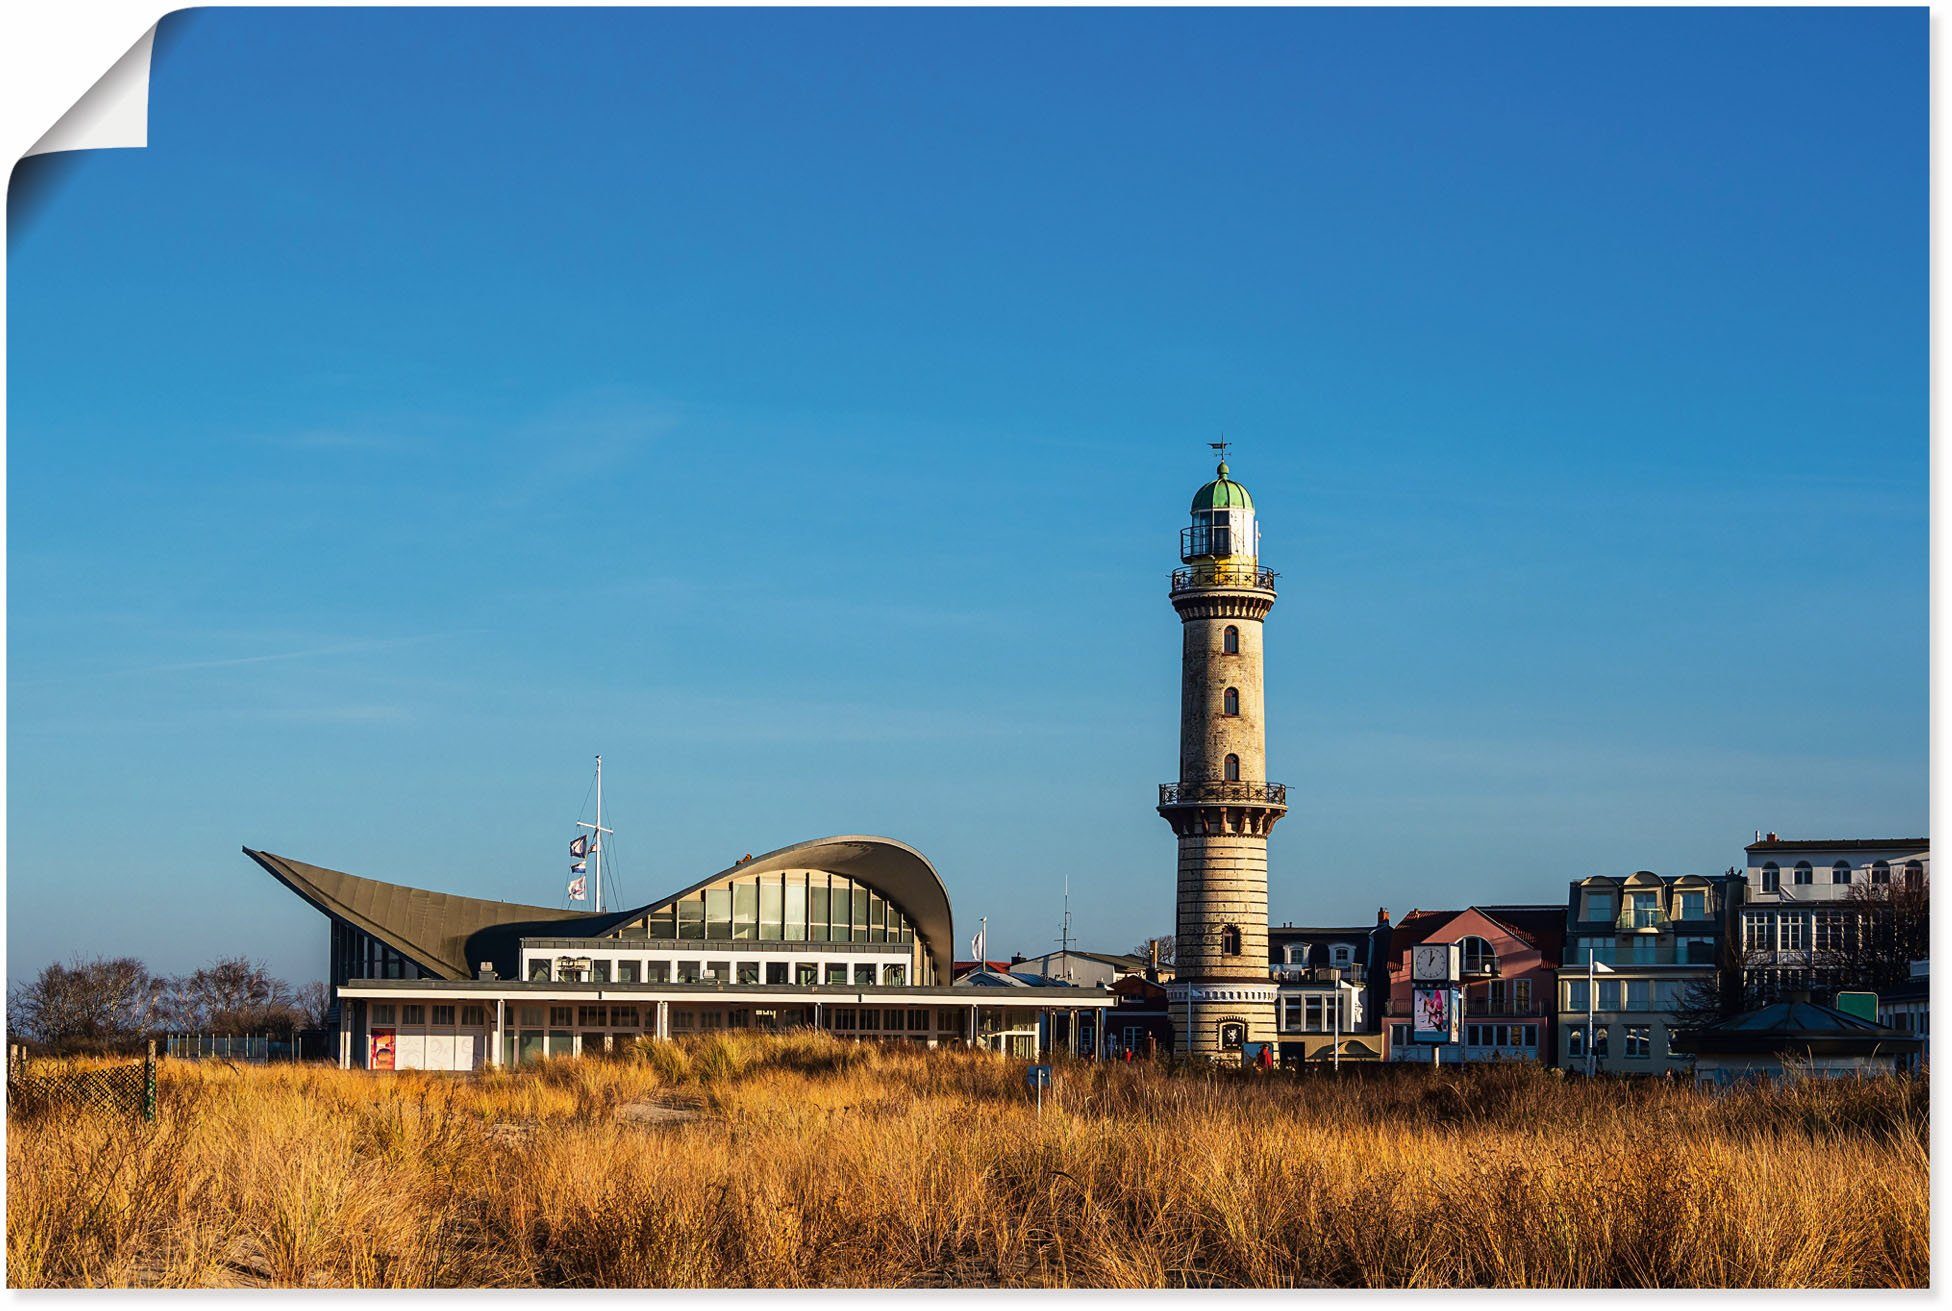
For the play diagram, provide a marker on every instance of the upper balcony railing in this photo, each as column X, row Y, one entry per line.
column 1640, row 917
column 1237, row 791
column 1196, row 576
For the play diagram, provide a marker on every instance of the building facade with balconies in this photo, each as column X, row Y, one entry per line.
column 1813, row 905
column 1653, row 944
column 1509, row 957
column 1332, row 988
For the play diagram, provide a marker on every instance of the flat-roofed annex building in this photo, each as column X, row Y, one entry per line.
column 850, row 934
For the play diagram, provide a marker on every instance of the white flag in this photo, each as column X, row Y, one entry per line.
column 576, row 888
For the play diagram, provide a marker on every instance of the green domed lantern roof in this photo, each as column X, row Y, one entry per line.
column 1223, row 493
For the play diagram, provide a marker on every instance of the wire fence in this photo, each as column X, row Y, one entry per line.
column 43, row 1087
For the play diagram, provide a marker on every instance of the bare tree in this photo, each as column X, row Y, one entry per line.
column 94, row 1004
column 234, row 995
column 1165, row 947
column 314, row 1003
column 1894, row 928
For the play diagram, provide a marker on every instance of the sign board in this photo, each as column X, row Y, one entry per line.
column 1434, row 962
column 1861, row 1004
column 380, row 1054
column 1433, row 1014
column 1037, row 1076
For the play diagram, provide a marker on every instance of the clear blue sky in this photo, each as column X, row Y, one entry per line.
column 800, row 409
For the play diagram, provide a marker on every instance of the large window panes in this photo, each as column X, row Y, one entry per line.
column 745, row 912
column 795, row 906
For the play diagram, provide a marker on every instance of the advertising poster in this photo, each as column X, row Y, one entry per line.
column 380, row 1057
column 1433, row 1014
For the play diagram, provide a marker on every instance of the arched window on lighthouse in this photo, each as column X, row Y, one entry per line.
column 1230, row 701
column 1232, row 769
column 1230, row 641
column 1230, row 940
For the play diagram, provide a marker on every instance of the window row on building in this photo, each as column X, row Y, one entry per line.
column 1625, row 994
column 1637, row 1041
column 1803, row 874
column 778, row 906
column 1823, row 930
column 778, row 973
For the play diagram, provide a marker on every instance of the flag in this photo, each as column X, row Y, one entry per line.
column 579, row 867
column 576, row 888
column 579, row 847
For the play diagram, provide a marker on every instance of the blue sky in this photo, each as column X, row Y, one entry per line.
column 800, row 408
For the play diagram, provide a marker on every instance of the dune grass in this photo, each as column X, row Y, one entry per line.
column 740, row 1160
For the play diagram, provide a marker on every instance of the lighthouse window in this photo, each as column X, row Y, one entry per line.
column 1230, row 641
column 1233, row 769
column 1230, row 940
column 1230, row 701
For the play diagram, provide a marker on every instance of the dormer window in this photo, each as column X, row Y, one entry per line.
column 1478, row 957
column 1600, row 905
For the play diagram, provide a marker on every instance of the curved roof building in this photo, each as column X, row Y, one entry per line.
column 853, row 934
column 849, row 889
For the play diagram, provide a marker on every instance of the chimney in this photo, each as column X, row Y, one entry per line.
column 1382, row 914
column 1772, row 838
column 484, row 971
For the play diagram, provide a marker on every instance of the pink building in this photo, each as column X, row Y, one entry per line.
column 1510, row 958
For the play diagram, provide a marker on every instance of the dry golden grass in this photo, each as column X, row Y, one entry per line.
column 810, row 1162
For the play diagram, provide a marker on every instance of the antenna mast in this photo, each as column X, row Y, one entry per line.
column 1064, row 931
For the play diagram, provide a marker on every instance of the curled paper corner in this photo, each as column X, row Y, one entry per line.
column 114, row 113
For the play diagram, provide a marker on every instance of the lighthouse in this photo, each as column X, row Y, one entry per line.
column 1222, row 807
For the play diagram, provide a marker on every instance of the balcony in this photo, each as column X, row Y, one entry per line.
column 1197, row 576
column 1641, row 919
column 1214, row 791
column 1642, row 953
column 1321, row 974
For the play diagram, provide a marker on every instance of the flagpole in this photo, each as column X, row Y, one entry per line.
column 1589, row 1009
column 596, row 845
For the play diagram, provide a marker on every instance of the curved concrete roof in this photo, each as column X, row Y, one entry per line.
column 448, row 935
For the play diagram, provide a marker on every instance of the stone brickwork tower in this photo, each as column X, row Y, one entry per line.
column 1222, row 807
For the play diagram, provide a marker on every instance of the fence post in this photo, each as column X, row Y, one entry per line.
column 149, row 1083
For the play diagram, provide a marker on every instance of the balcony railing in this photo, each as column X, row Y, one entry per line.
column 1196, row 576
column 1634, row 953
column 1203, row 791
column 1324, row 974
column 1640, row 917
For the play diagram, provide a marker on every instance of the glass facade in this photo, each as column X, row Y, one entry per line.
column 788, row 906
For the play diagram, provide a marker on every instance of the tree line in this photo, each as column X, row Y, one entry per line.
column 116, row 1002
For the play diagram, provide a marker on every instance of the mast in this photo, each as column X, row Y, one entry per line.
column 596, row 835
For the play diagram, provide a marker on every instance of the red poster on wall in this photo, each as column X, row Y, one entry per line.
column 380, row 1056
